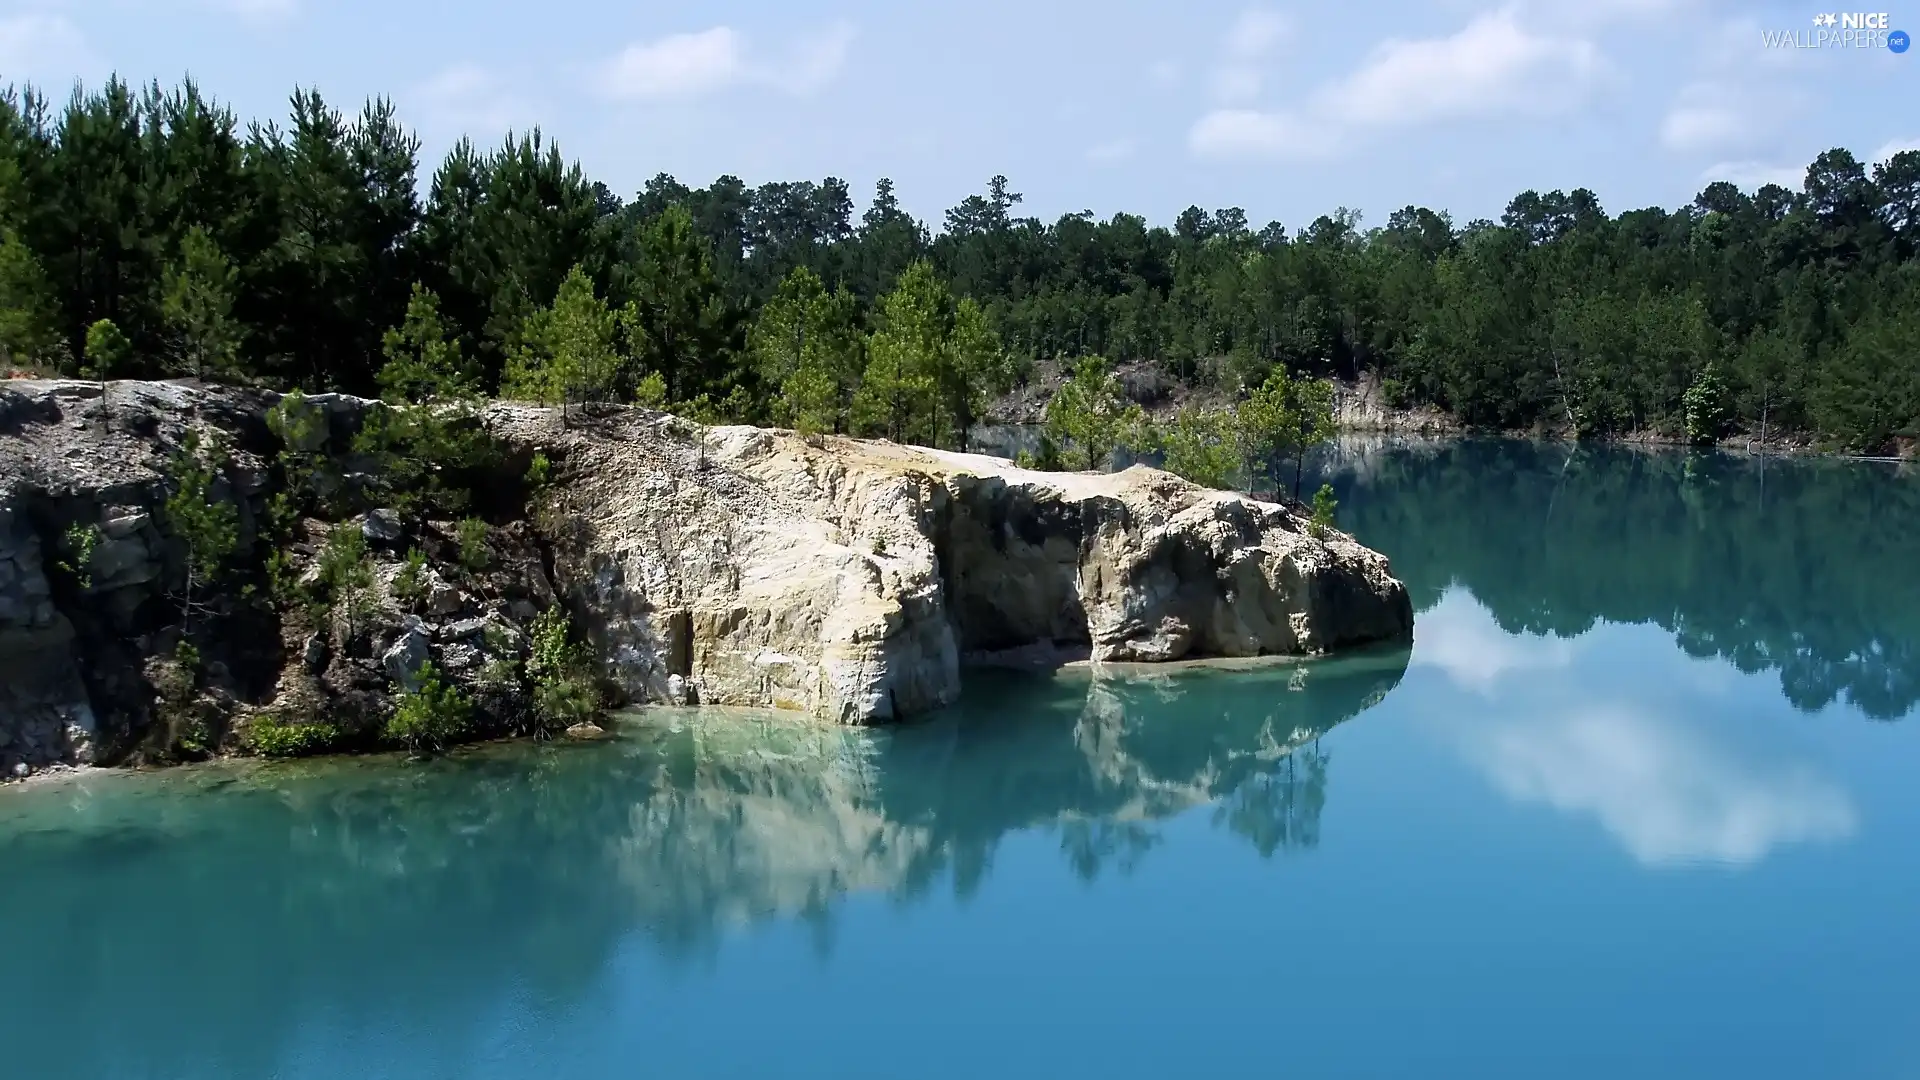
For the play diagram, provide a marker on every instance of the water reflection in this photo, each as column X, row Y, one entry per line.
column 1611, row 726
column 350, row 892
column 1803, row 568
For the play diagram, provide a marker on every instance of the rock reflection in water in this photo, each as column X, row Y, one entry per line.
column 364, row 890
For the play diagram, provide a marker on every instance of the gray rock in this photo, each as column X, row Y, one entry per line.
column 383, row 526
column 22, row 770
column 404, row 659
column 459, row 657
column 314, row 654
column 119, row 562
column 8, row 572
column 443, row 599
column 124, row 521
column 464, row 629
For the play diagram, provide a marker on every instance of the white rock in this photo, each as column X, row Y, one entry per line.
column 735, row 566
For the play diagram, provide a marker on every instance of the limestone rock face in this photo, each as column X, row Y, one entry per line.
column 848, row 579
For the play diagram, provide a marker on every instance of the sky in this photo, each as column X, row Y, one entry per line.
column 1286, row 109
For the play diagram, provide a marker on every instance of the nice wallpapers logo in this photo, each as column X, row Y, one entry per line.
column 1845, row 30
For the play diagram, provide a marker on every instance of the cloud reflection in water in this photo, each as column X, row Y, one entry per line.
column 1680, row 780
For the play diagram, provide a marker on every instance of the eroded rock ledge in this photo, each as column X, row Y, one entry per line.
column 730, row 565
column 850, row 579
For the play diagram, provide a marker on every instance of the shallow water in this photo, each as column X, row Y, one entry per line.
column 1640, row 801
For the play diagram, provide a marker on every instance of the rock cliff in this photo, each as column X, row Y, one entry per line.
column 726, row 565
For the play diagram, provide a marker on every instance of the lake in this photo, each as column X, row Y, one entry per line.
column 1641, row 800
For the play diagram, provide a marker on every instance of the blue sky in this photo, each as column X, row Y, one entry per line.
column 1286, row 109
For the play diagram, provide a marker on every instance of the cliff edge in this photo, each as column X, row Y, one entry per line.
column 843, row 578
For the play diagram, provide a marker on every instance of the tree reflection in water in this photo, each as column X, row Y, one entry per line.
column 363, row 889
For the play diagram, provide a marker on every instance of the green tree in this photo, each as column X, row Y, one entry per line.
column 899, row 393
column 205, row 522
column 197, row 305
column 805, row 344
column 679, row 318
column 569, row 351
column 1200, row 446
column 29, row 316
column 1285, row 417
column 975, row 369
column 1709, row 410
column 424, row 362
column 1090, row 416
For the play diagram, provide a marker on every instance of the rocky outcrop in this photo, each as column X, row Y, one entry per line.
column 731, row 565
column 850, row 579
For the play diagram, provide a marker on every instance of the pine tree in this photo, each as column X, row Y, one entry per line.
column 569, row 351
column 805, row 344
column 683, row 327
column 197, row 304
column 898, row 395
column 424, row 362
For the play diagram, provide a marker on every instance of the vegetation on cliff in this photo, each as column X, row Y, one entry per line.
column 147, row 232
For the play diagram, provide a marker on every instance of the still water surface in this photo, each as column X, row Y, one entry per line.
column 1641, row 800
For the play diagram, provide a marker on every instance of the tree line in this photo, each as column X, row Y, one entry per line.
column 313, row 253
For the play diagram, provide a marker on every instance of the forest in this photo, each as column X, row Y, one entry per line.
column 150, row 232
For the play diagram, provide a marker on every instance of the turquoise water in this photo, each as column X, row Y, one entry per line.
column 1640, row 801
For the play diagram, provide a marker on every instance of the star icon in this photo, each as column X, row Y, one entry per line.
column 1830, row 19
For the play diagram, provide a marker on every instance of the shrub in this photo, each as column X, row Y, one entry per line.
column 539, row 472
column 410, row 584
column 269, row 736
column 431, row 715
column 472, row 537
column 80, row 541
column 563, row 688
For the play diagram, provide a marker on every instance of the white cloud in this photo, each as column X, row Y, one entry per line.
column 1110, row 152
column 697, row 64
column 45, row 49
column 1754, row 174
column 1492, row 66
column 1892, row 147
column 1459, row 637
column 1251, row 133
column 679, row 65
column 1704, row 127
column 1660, row 788
column 467, row 96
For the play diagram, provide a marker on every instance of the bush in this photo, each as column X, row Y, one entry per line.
column 410, row 584
column 80, row 541
column 539, row 472
column 269, row 736
column 472, row 537
column 431, row 715
column 563, row 687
